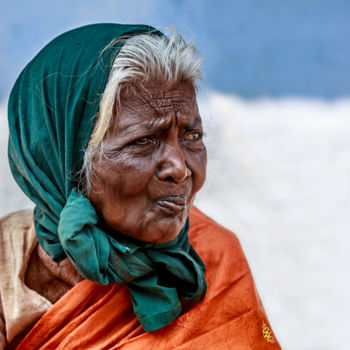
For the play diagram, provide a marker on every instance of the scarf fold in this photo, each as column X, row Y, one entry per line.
column 52, row 109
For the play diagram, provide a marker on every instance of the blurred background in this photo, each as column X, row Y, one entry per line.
column 276, row 105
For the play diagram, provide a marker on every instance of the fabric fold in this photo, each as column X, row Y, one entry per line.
column 231, row 316
column 52, row 109
column 156, row 274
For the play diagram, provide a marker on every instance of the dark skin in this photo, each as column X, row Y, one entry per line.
column 145, row 186
column 155, row 163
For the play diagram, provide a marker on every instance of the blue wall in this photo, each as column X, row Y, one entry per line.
column 252, row 48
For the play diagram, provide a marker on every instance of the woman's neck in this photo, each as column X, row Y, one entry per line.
column 48, row 278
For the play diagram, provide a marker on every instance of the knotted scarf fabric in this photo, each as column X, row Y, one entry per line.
column 52, row 109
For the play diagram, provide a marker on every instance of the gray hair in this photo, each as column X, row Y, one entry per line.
column 143, row 58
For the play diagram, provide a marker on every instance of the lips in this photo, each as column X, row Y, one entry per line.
column 173, row 205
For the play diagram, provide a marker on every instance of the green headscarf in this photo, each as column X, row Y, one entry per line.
column 52, row 108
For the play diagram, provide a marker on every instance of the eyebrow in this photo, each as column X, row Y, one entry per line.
column 158, row 124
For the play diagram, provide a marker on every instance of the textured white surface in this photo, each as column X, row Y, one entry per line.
column 278, row 175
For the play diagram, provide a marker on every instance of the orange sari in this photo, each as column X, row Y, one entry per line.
column 231, row 315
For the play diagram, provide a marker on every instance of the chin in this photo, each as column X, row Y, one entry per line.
column 164, row 231
column 165, row 238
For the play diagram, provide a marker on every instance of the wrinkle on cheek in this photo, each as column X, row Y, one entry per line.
column 120, row 160
column 115, row 175
column 199, row 161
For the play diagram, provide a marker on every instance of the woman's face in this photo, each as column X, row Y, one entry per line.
column 155, row 163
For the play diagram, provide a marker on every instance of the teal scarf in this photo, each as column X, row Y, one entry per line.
column 52, row 109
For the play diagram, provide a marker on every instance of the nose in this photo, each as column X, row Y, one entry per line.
column 173, row 166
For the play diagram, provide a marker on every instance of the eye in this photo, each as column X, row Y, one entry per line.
column 147, row 140
column 194, row 135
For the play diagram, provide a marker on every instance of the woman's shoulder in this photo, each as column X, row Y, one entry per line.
column 202, row 226
column 231, row 289
column 216, row 245
column 17, row 234
column 17, row 241
column 20, row 305
column 21, row 220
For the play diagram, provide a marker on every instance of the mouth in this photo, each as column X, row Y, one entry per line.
column 172, row 205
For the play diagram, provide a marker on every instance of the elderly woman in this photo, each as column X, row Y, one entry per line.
column 106, row 139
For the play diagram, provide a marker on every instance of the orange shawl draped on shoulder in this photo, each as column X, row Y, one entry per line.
column 231, row 315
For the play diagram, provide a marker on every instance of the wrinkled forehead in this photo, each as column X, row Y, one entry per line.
column 160, row 97
column 154, row 103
